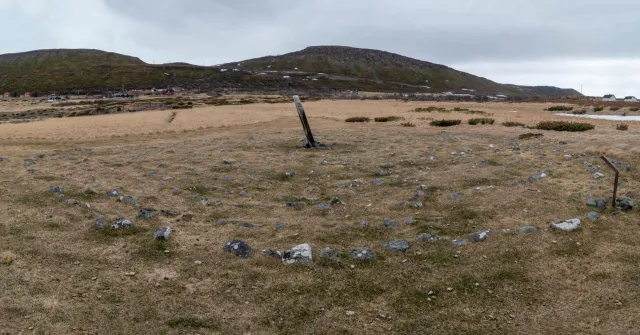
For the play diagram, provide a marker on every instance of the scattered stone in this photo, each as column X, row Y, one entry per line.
column 221, row 222
column 364, row 224
column 100, row 222
column 479, row 236
column 383, row 172
column 386, row 165
column 122, row 223
column 226, row 162
column 528, row 229
column 330, row 254
column 146, row 213
column 300, row 254
column 568, row 225
column 625, row 204
column 398, row 245
column 170, row 213
column 400, row 204
column 389, row 223
column 129, row 274
column 537, row 177
column 162, row 234
column 129, row 200
column 296, row 204
column 418, row 204
column 153, row 173
column 238, row 248
column 324, row 205
column 428, row 238
column 243, row 224
column 289, row 174
column 593, row 216
column 73, row 202
column 336, row 201
column 456, row 196
column 410, row 220
column 271, row 253
column 598, row 175
column 279, row 226
column 362, row 254
column 562, row 143
column 459, row 243
column 600, row 203
column 378, row 181
column 56, row 189
column 419, row 195
column 59, row 195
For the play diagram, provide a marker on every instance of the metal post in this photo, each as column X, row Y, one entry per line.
column 304, row 121
column 615, row 183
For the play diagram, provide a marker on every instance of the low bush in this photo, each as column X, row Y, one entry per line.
column 445, row 123
column 598, row 109
column 580, row 112
column 634, row 109
column 458, row 109
column 474, row 122
column 564, row 126
column 429, row 109
column 513, row 124
column 614, row 108
column 560, row 108
column 529, row 136
column 389, row 119
column 407, row 124
column 622, row 126
column 358, row 119
column 477, row 112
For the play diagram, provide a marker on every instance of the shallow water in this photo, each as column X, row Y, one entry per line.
column 605, row 117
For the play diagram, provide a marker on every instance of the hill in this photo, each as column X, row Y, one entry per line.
column 323, row 68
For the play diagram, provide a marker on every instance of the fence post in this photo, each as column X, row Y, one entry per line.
column 304, row 121
column 615, row 183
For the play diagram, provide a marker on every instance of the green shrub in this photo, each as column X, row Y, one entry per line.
column 559, row 108
column 358, row 119
column 445, row 123
column 598, row 109
column 622, row 126
column 580, row 112
column 474, row 122
column 513, row 124
column 407, row 124
column 564, row 126
column 614, row 108
column 389, row 119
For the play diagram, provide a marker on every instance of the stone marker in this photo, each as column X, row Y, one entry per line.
column 238, row 248
column 398, row 245
column 479, row 236
column 300, row 254
column 567, row 225
column 330, row 254
column 162, row 234
column 362, row 254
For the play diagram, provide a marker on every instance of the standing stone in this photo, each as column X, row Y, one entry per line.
column 479, row 236
column 362, row 254
column 567, row 225
column 330, row 254
column 162, row 234
column 428, row 238
column 398, row 245
column 238, row 248
column 300, row 254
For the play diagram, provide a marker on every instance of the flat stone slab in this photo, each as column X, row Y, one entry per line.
column 459, row 243
column 300, row 254
column 362, row 254
column 397, row 245
column 567, row 225
column 238, row 248
column 162, row 234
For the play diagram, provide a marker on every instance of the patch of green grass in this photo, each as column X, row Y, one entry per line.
column 445, row 123
column 193, row 322
column 564, row 126
column 474, row 122
column 513, row 124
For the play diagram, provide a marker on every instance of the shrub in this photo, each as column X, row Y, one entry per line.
column 358, row 119
column 580, row 112
column 389, row 119
column 560, row 108
column 622, row 126
column 445, row 123
column 529, row 135
column 634, row 109
column 407, row 124
column 458, row 109
column 512, row 124
column 614, row 108
column 477, row 112
column 429, row 109
column 474, row 122
column 564, row 126
column 598, row 109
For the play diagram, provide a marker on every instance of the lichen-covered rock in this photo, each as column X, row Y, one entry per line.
column 300, row 254
column 389, row 223
column 625, row 204
column 100, row 222
column 362, row 254
column 129, row 200
column 271, row 253
column 593, row 216
column 238, row 248
column 56, row 189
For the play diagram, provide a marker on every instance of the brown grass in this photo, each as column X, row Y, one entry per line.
column 66, row 278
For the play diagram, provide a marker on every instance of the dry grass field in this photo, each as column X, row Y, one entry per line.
column 60, row 275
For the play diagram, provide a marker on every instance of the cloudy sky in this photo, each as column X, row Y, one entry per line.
column 529, row 42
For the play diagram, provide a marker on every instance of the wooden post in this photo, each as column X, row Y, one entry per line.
column 615, row 183
column 304, row 121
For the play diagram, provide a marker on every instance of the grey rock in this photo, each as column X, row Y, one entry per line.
column 418, row 204
column 296, row 204
column 1, row 159
column 459, row 243
column 562, row 143
column 146, row 213
column 336, row 201
column 170, row 213
column 279, row 226
column 56, row 189
column 598, row 175
column 389, row 223
column 593, row 170
column 397, row 245
column 600, row 203
column 419, row 195
column 593, row 216
column 528, row 229
column 217, row 203
column 537, row 177
column 238, row 248
column 625, row 204
column 428, row 238
column 122, row 223
column 153, row 173
column 410, row 220
column 400, row 204
column 567, row 225
column 129, row 200
column 300, row 254
column 226, row 162
column 456, row 196
column 592, row 203
column 378, row 181
column 162, row 234
column 289, row 174
column 383, row 172
column 387, row 165
column 73, row 202
column 113, row 194
column 479, row 236
column 324, row 205
column 243, row 224
column 100, row 222
column 271, row 253
column 221, row 222
column 364, row 224
column 330, row 254
column 362, row 254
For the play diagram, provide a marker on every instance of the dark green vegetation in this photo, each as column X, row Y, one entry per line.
column 407, row 124
column 634, row 109
column 622, row 126
column 560, row 108
column 389, row 118
column 598, row 109
column 358, row 119
column 580, row 112
column 513, row 124
column 564, row 126
column 614, row 108
column 445, row 123
column 474, row 122
column 530, row 136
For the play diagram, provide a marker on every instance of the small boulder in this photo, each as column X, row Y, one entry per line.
column 73, row 202
column 56, row 189
column 428, row 238
column 537, row 177
column 146, row 213
column 598, row 175
column 300, row 254
column 567, row 225
column 479, row 236
column 330, row 254
column 528, row 229
column 400, row 204
column 418, row 204
column 625, row 204
column 398, row 245
column 100, row 222
column 296, row 204
column 238, row 248
column 129, row 200
column 389, row 223
column 593, row 216
column 362, row 254
column 162, row 234
column 122, row 223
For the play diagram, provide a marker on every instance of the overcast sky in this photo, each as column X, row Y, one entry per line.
column 528, row 42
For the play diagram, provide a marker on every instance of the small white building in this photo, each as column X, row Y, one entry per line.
column 609, row 97
column 630, row 98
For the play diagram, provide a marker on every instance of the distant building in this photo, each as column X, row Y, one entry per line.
column 609, row 97
column 630, row 98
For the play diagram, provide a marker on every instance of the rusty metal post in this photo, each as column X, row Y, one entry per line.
column 304, row 121
column 615, row 183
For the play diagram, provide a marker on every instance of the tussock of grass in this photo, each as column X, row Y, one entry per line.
column 474, row 122
column 559, row 108
column 622, row 126
column 445, row 123
column 407, row 124
column 429, row 109
column 564, row 126
column 389, row 119
column 358, row 119
column 513, row 124
column 458, row 109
